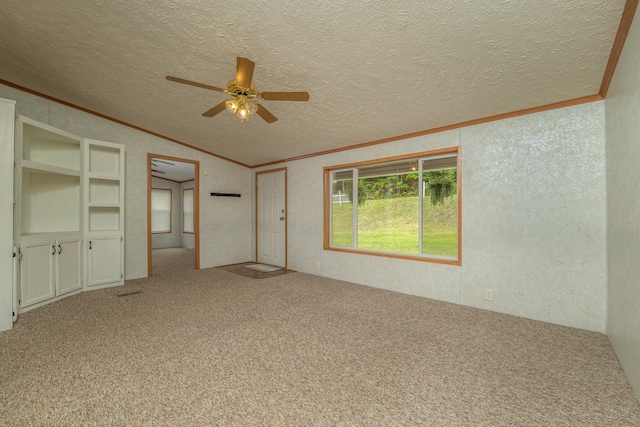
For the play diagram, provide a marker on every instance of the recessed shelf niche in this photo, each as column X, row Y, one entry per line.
column 104, row 192
column 104, row 160
column 40, row 145
column 50, row 203
column 104, row 218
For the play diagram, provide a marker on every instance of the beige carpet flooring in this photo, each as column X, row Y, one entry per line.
column 209, row 347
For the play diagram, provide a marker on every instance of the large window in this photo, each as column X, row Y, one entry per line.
column 187, row 210
column 160, row 210
column 406, row 207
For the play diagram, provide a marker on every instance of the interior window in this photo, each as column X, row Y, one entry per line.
column 187, row 210
column 160, row 210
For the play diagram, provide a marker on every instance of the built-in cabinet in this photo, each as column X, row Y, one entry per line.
column 69, row 200
column 49, row 269
column 104, row 193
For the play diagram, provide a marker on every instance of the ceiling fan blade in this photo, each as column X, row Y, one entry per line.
column 285, row 96
column 265, row 114
column 161, row 161
column 192, row 83
column 215, row 110
column 244, row 73
column 156, row 171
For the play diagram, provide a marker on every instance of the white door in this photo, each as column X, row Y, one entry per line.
column 105, row 265
column 37, row 266
column 272, row 219
column 69, row 266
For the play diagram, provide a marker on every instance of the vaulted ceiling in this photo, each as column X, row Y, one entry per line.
column 374, row 69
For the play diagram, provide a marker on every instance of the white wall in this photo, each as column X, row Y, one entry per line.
column 623, row 176
column 533, row 219
column 225, row 236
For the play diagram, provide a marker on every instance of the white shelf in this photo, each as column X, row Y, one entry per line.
column 49, row 169
column 104, row 205
column 28, row 237
column 40, row 144
column 105, row 176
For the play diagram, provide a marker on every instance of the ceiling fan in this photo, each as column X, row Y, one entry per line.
column 245, row 93
column 154, row 164
column 156, row 161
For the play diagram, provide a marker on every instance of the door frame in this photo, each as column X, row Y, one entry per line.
column 286, row 213
column 196, row 207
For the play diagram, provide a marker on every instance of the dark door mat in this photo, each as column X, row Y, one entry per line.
column 242, row 271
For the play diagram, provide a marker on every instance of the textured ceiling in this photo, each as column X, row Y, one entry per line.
column 373, row 69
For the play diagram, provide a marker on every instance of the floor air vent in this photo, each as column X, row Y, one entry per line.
column 126, row 294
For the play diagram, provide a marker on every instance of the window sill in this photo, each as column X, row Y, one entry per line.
column 423, row 258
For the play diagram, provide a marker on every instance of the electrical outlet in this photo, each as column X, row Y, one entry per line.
column 318, row 265
column 488, row 294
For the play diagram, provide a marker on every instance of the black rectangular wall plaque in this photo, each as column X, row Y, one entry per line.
column 226, row 194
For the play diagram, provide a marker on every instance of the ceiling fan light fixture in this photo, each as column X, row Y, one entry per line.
column 232, row 105
column 253, row 107
column 242, row 108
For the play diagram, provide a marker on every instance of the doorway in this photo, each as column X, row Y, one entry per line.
column 271, row 217
column 173, row 201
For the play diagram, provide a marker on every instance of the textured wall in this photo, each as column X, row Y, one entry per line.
column 533, row 213
column 224, row 232
column 623, row 176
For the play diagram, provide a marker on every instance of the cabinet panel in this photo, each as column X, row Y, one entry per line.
column 49, row 269
column 37, row 273
column 105, row 260
column 69, row 258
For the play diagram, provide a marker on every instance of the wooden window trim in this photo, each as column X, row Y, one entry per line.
column 424, row 258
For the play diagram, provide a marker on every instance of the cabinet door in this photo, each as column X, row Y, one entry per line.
column 69, row 266
column 105, row 266
column 37, row 272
